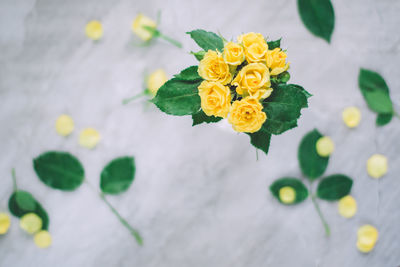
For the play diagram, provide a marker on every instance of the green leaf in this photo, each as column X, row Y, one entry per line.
column 296, row 184
column 201, row 117
column 22, row 202
column 59, row 170
column 274, row 44
column 189, row 74
column 318, row 16
column 375, row 91
column 334, row 187
column 177, row 97
column 198, row 55
column 383, row 119
column 260, row 140
column 283, row 108
column 312, row 165
column 118, row 175
column 207, row 40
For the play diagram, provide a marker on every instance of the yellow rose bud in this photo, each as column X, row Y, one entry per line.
column 325, row 146
column 347, row 206
column 138, row 27
column 253, row 80
column 94, row 30
column 89, row 138
column 367, row 235
column 287, row 194
column 156, row 80
column 31, row 223
column 377, row 166
column 42, row 239
column 213, row 68
column 4, row 223
column 233, row 54
column 351, row 116
column 246, row 115
column 64, row 125
column 215, row 99
column 276, row 61
column 255, row 46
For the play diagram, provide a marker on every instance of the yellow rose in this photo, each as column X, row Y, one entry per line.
column 94, row 30
column 215, row 99
column 233, row 54
column 138, row 27
column 246, row 115
column 156, row 80
column 213, row 68
column 253, row 80
column 276, row 61
column 255, row 46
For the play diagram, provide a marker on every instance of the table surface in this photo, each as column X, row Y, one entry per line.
column 200, row 197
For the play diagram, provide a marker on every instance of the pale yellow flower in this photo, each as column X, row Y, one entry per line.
column 94, row 30
column 139, row 27
column 156, row 80
column 42, row 239
column 30, row 223
column 64, row 125
column 351, row 116
column 377, row 166
column 213, row 68
column 246, row 115
column 215, row 99
column 89, row 138
column 255, row 46
column 325, row 146
column 367, row 236
column 276, row 61
column 4, row 223
column 233, row 54
column 287, row 194
column 347, row 206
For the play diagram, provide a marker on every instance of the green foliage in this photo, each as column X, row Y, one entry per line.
column 198, row 55
column 189, row 74
column 260, row 140
column 207, row 40
column 383, row 119
column 201, row 117
column 59, row 170
column 274, row 44
column 318, row 16
column 117, row 175
column 296, row 184
column 334, row 187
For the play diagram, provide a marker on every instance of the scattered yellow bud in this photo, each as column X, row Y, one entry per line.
column 325, row 146
column 64, row 125
column 4, row 223
column 31, row 223
column 287, row 194
column 89, row 138
column 156, row 80
column 377, row 166
column 367, row 235
column 42, row 239
column 94, row 30
column 138, row 27
column 351, row 116
column 347, row 206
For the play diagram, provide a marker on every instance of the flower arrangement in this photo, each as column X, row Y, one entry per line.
column 244, row 82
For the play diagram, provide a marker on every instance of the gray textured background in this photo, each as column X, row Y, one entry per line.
column 200, row 198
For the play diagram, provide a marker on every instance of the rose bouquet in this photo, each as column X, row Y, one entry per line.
column 243, row 81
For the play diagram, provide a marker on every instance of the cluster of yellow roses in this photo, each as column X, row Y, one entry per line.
column 252, row 81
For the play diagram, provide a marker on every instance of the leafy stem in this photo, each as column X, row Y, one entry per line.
column 156, row 33
column 129, row 99
column 14, row 178
column 321, row 216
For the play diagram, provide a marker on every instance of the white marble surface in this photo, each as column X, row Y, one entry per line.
column 200, row 198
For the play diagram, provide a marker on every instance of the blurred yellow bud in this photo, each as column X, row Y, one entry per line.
column 4, row 223
column 30, row 223
column 89, row 138
column 367, row 235
column 64, row 125
column 156, row 80
column 94, row 30
column 42, row 239
column 347, row 206
column 377, row 166
column 325, row 146
column 351, row 116
column 138, row 27
column 287, row 195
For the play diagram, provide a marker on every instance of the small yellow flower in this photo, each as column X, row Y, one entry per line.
column 255, row 46
column 89, row 138
column 94, row 30
column 287, row 195
column 351, row 116
column 213, row 68
column 377, row 166
column 30, row 223
column 139, row 24
column 156, row 80
column 233, row 54
column 42, row 239
column 64, row 125
column 367, row 235
column 4, row 223
column 253, row 80
column 246, row 115
column 276, row 61
column 215, row 99
column 347, row 206
column 325, row 146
